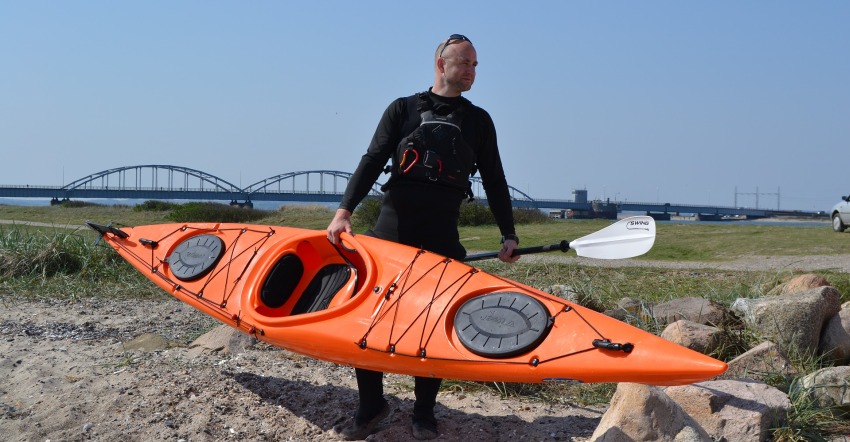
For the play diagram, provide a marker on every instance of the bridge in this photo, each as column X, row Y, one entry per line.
column 167, row 182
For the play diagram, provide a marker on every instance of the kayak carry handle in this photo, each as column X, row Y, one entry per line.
column 606, row 344
column 103, row 230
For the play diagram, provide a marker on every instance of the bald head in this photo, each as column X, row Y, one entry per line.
column 443, row 47
column 455, row 61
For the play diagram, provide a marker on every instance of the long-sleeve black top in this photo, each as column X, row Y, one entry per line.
column 478, row 132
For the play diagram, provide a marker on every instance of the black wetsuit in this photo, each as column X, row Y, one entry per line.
column 424, row 214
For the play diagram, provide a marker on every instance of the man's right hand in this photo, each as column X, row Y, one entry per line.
column 340, row 223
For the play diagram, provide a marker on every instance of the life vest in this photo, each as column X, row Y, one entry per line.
column 435, row 151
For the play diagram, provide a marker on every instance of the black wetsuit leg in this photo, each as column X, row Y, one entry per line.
column 426, row 390
column 370, row 385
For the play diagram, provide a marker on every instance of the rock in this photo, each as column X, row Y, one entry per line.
column 644, row 413
column 698, row 310
column 698, row 337
column 733, row 410
column 760, row 363
column 563, row 291
column 147, row 342
column 829, row 387
column 798, row 284
column 835, row 340
column 793, row 320
column 223, row 339
column 629, row 308
column 631, row 305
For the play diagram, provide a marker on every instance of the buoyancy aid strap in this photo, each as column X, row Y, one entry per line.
column 423, row 102
column 428, row 117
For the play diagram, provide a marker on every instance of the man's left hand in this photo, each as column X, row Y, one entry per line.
column 507, row 252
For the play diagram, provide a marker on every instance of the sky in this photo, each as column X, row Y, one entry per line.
column 722, row 103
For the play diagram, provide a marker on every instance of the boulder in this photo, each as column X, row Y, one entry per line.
column 829, row 387
column 644, row 413
column 699, row 310
column 762, row 362
column 629, row 309
column 793, row 320
column 698, row 337
column 835, row 340
column 733, row 410
column 224, row 339
column 799, row 283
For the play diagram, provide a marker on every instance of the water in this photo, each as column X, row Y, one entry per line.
column 262, row 205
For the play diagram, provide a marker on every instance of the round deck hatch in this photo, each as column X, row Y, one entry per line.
column 502, row 324
column 195, row 257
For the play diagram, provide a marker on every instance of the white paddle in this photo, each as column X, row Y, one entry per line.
column 627, row 238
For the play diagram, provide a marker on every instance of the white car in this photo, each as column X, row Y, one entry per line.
column 841, row 214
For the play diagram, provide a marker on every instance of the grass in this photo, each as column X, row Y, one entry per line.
column 807, row 421
column 51, row 261
column 59, row 263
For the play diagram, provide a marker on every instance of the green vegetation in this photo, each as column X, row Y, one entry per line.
column 48, row 260
column 367, row 212
column 808, row 421
column 60, row 263
column 214, row 212
column 473, row 214
column 675, row 242
column 155, row 206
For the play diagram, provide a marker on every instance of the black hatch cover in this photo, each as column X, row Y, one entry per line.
column 502, row 324
column 195, row 257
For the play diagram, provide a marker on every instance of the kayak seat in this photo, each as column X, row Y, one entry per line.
column 322, row 288
column 282, row 281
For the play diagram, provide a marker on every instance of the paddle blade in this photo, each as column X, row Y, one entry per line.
column 626, row 238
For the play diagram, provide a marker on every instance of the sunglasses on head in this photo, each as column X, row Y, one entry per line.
column 453, row 38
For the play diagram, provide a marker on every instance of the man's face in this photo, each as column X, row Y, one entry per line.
column 460, row 62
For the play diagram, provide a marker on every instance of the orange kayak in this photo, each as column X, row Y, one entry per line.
column 387, row 307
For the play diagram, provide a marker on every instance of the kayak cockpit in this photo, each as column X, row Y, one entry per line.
column 308, row 277
column 286, row 276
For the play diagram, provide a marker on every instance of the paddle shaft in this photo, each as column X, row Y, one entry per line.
column 562, row 246
column 627, row 238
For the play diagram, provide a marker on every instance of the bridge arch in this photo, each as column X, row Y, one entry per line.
column 148, row 176
column 516, row 194
column 329, row 182
column 158, row 181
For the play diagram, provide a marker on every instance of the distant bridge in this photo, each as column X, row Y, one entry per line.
column 158, row 181
column 166, row 182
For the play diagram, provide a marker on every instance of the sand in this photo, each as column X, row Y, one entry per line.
column 123, row 371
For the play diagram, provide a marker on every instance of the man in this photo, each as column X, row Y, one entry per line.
column 435, row 140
